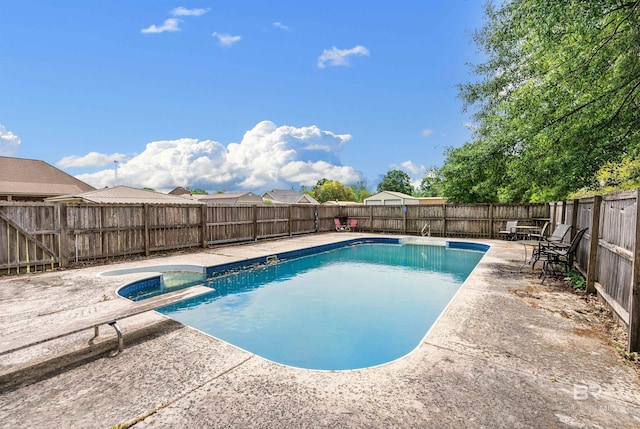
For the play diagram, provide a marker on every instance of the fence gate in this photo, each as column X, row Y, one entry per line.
column 29, row 237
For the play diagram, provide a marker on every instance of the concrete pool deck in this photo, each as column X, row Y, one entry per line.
column 492, row 360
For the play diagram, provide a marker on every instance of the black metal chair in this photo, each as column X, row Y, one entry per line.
column 545, row 242
column 555, row 255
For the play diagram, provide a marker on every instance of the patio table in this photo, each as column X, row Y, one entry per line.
column 526, row 230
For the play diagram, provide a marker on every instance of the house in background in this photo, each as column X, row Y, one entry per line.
column 280, row 196
column 231, row 198
column 180, row 191
column 34, row 180
column 123, row 195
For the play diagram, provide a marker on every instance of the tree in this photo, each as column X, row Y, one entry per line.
column 331, row 190
column 556, row 99
column 360, row 191
column 396, row 181
column 198, row 191
column 315, row 190
column 431, row 185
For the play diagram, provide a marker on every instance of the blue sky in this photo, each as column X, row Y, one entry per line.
column 234, row 95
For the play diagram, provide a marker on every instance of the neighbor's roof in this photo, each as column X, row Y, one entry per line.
column 124, row 195
column 19, row 176
column 230, row 198
column 288, row 197
column 180, row 191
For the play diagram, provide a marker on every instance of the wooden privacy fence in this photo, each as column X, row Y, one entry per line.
column 40, row 236
column 609, row 253
column 445, row 220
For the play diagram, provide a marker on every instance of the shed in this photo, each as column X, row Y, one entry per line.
column 231, row 198
column 280, row 196
column 391, row 198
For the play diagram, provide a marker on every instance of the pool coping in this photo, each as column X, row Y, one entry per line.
column 490, row 360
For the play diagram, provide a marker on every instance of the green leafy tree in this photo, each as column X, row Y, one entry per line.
column 557, row 98
column 396, row 181
column 431, row 185
column 360, row 191
column 198, row 192
column 315, row 190
column 331, row 190
column 613, row 177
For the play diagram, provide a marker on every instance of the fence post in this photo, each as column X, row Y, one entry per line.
column 633, row 344
column 490, row 221
column 255, row 222
column 203, row 222
column 405, row 208
column 147, row 244
column 563, row 216
column 594, row 239
column 554, row 213
column 444, row 220
column 63, row 258
column 290, row 226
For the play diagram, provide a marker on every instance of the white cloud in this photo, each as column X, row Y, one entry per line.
column 225, row 39
column 183, row 11
column 92, row 159
column 426, row 132
column 416, row 172
column 281, row 26
column 9, row 142
column 412, row 168
column 267, row 157
column 170, row 24
column 340, row 57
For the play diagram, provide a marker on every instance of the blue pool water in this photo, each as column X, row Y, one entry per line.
column 351, row 307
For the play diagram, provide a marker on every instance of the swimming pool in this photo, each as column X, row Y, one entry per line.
column 354, row 305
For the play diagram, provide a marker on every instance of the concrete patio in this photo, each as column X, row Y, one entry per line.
column 492, row 360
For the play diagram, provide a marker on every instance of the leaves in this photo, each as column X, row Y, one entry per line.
column 556, row 99
column 396, row 181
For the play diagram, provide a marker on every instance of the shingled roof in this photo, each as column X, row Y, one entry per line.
column 124, row 195
column 34, row 180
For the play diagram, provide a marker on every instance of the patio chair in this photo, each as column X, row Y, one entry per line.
column 534, row 241
column 511, row 231
column 339, row 226
column 542, row 234
column 559, row 255
column 556, row 237
column 558, row 234
column 352, row 225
